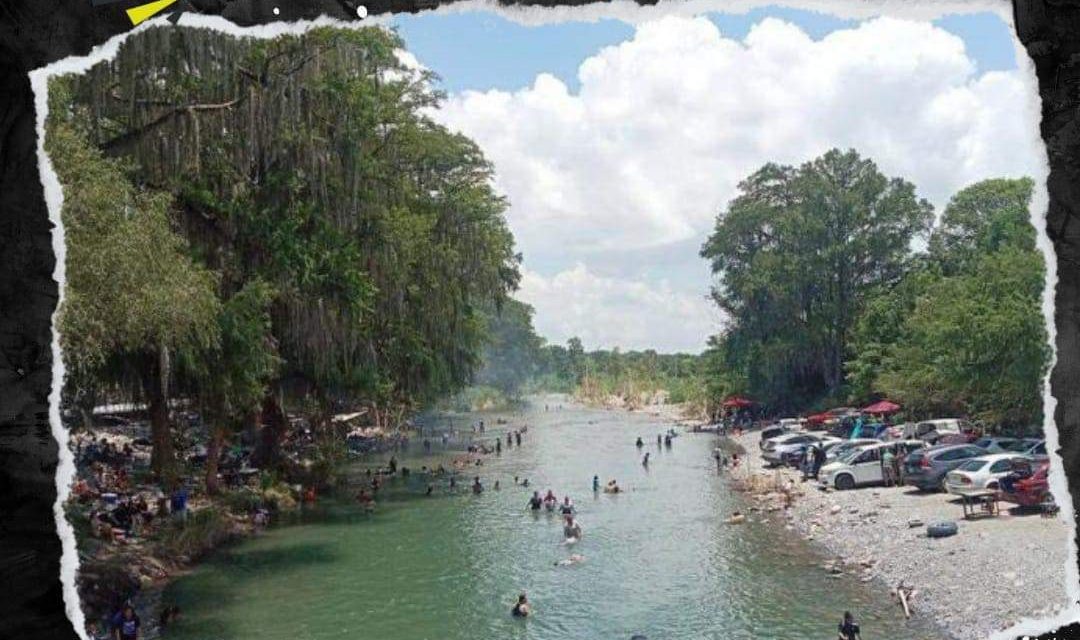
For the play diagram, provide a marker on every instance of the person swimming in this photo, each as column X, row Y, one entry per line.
column 612, row 487
column 521, row 607
column 573, row 559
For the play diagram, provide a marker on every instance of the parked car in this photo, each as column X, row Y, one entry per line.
column 984, row 472
column 1037, row 450
column 783, row 449
column 932, row 430
column 864, row 465
column 1029, row 486
column 957, row 438
column 844, row 447
column 768, row 433
column 925, row 469
column 994, row 444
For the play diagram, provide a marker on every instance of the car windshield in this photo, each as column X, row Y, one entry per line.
column 1015, row 445
column 972, row 465
column 984, row 443
column 850, row 456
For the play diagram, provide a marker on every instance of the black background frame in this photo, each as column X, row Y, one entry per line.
column 34, row 33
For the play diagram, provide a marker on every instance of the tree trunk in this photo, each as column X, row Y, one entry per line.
column 162, row 457
column 274, row 425
column 213, row 453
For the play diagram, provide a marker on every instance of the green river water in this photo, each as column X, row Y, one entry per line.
column 660, row 561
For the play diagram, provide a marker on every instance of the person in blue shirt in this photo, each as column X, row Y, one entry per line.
column 126, row 624
column 178, row 503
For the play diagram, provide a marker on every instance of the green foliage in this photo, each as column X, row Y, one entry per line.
column 796, row 254
column 972, row 341
column 357, row 243
column 204, row 530
column 130, row 286
column 512, row 349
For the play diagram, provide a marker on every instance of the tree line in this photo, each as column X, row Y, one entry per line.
column 252, row 224
column 841, row 286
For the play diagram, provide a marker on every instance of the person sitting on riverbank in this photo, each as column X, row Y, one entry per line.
column 535, row 502
column 521, row 607
column 848, row 629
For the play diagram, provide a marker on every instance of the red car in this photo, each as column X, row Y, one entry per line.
column 1029, row 491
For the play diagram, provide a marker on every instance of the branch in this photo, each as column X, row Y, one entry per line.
column 163, row 118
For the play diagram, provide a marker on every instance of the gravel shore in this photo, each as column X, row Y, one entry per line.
column 990, row 575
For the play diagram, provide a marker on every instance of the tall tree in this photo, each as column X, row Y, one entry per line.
column 795, row 254
column 134, row 300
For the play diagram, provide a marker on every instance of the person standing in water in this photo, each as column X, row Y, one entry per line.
column 639, row 444
column 848, row 629
column 535, row 502
column 498, row 446
column 595, row 483
column 517, row 438
column 521, row 607
column 659, row 439
column 567, row 507
column 571, row 530
column 645, row 460
column 476, row 486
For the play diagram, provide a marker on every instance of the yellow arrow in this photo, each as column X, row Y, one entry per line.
column 148, row 10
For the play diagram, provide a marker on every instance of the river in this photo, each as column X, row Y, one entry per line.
column 659, row 559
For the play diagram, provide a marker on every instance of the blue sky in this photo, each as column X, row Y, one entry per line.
column 612, row 190
column 485, row 51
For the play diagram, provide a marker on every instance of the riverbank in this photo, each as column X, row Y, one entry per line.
column 992, row 574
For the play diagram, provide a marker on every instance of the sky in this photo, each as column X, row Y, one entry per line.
column 617, row 145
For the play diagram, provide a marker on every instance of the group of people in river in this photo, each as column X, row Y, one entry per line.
column 472, row 458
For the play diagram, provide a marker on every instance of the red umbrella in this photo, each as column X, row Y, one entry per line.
column 737, row 402
column 819, row 418
column 883, row 406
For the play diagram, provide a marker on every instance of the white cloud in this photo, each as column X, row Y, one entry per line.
column 667, row 123
column 607, row 312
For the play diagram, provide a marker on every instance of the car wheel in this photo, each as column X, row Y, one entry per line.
column 993, row 484
column 845, row 482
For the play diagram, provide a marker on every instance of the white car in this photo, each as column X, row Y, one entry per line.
column 983, row 472
column 783, row 449
column 844, row 447
column 864, row 465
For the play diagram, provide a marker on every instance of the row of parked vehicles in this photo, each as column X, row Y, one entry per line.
column 933, row 455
